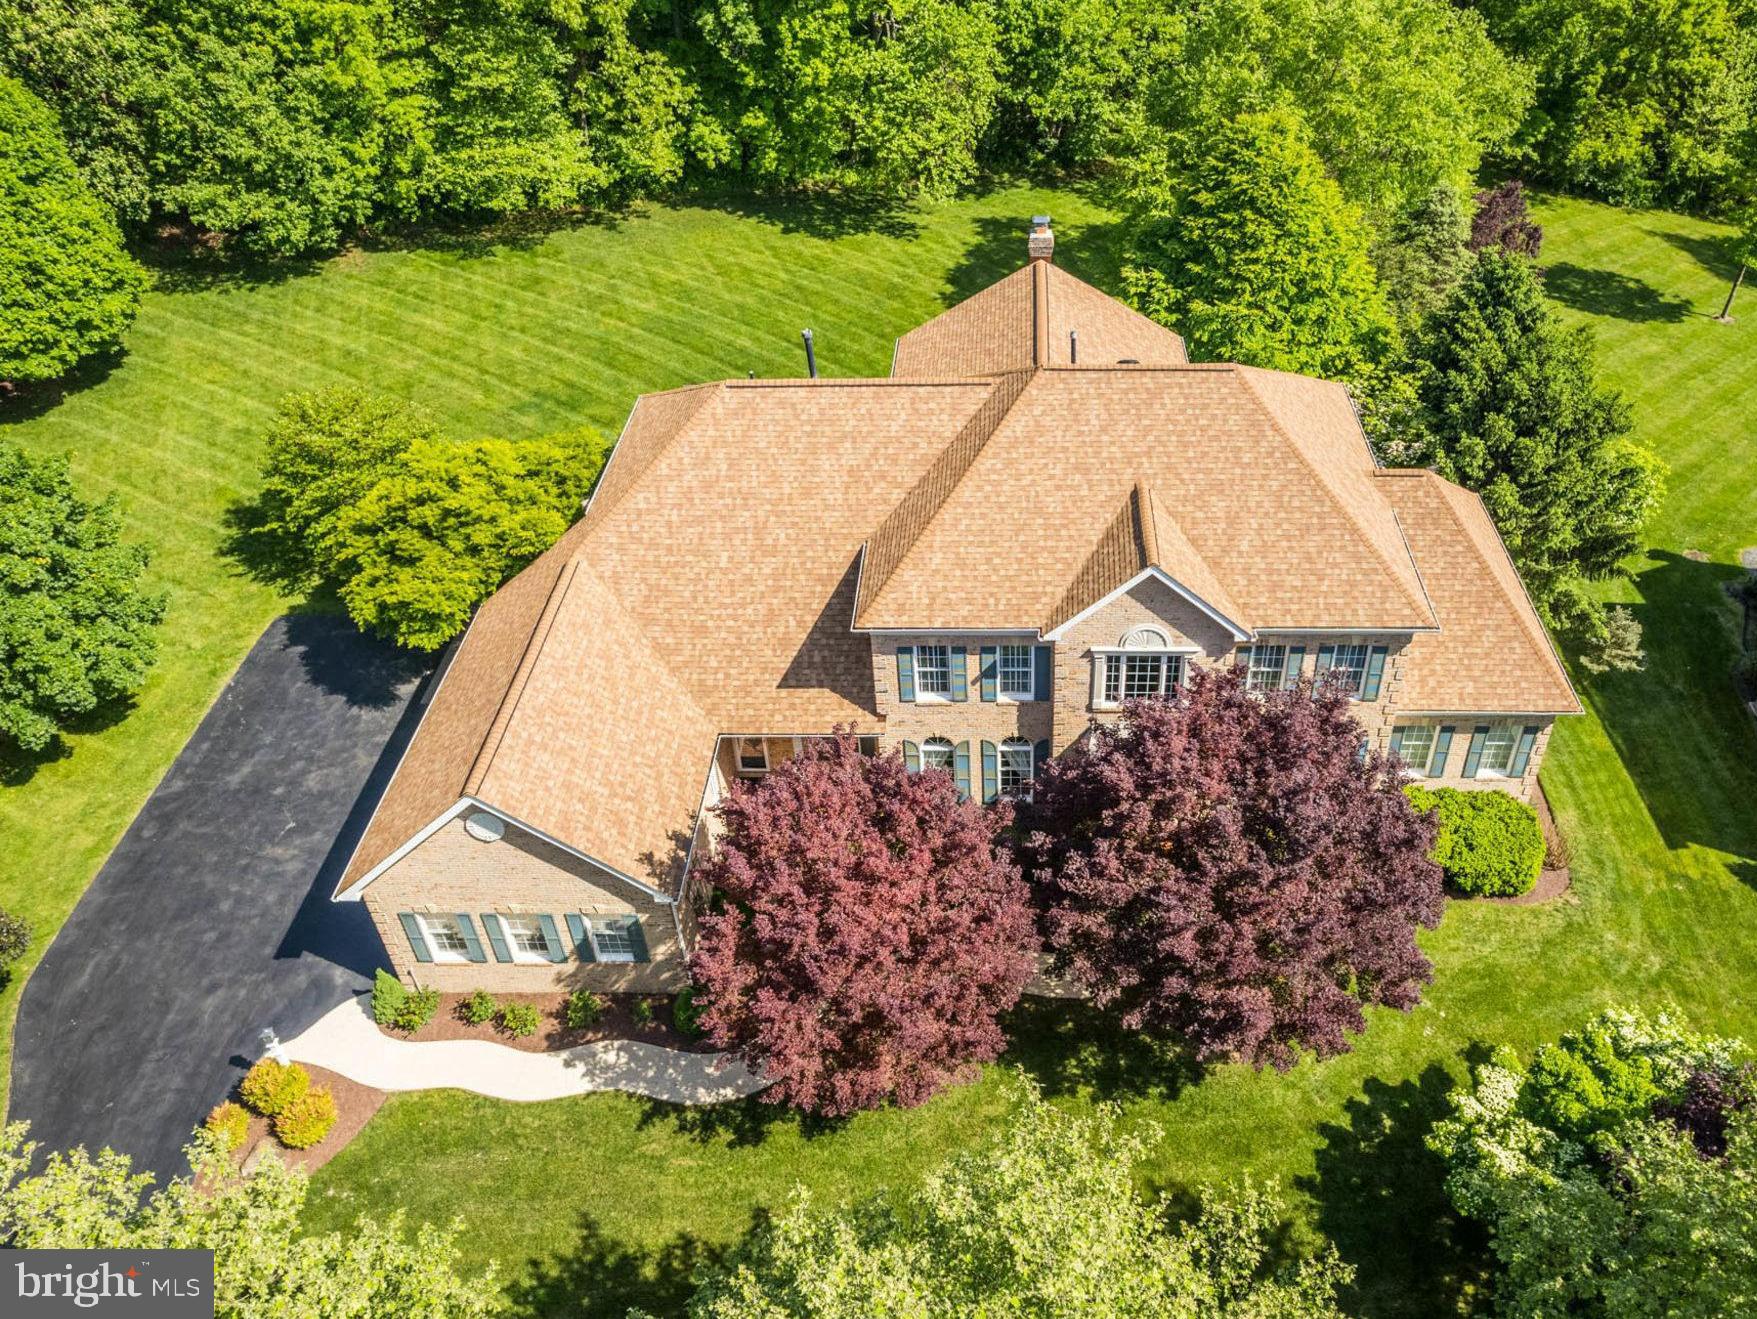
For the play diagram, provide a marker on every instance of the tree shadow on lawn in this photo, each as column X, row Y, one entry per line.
column 1713, row 252
column 18, row 766
column 601, row 1278
column 1067, row 1046
column 1086, row 251
column 1610, row 293
column 1678, row 725
column 28, row 401
column 736, row 1124
column 1381, row 1198
column 818, row 212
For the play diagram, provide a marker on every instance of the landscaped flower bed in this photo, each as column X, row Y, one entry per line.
column 617, row 1020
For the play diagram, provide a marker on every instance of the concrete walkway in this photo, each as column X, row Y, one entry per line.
column 347, row 1040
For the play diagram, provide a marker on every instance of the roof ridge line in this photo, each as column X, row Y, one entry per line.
column 1324, row 485
column 521, row 676
column 1040, row 313
column 1143, row 500
column 935, row 486
column 705, row 390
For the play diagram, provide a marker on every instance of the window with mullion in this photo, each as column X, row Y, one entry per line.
column 1497, row 750
column 936, row 753
column 1017, row 678
column 1268, row 669
column 1015, row 767
column 1416, row 747
column 610, row 938
column 527, row 938
column 1349, row 671
column 933, row 670
column 445, row 938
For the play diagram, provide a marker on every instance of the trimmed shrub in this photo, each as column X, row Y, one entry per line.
column 15, row 938
column 306, row 1120
column 388, row 996
column 641, row 1013
column 1490, row 844
column 520, row 1019
column 686, row 1015
column 229, row 1123
column 417, row 1010
column 270, row 1087
column 583, row 1008
column 479, row 1008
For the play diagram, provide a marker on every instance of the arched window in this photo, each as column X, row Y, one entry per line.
column 1015, row 767
column 1142, row 664
column 936, row 753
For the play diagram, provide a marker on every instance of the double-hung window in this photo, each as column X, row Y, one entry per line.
column 1017, row 678
column 611, row 941
column 1127, row 677
column 525, row 938
column 1349, row 670
column 933, row 671
column 936, row 753
column 1415, row 748
column 445, row 939
column 1267, row 669
column 1015, row 767
column 1497, row 751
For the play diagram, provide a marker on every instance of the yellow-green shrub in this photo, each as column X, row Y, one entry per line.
column 269, row 1087
column 1489, row 842
column 307, row 1120
column 230, row 1123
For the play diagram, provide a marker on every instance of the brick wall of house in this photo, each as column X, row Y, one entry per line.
column 1451, row 774
column 520, row 874
column 972, row 719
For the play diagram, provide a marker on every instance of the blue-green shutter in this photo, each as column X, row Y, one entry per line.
column 552, row 937
column 417, row 940
column 991, row 772
column 472, row 945
column 1242, row 657
column 496, row 937
column 1039, row 758
column 960, row 677
column 911, row 757
column 989, row 658
column 961, row 768
column 1369, row 689
column 1473, row 757
column 1326, row 657
column 905, row 673
column 1397, row 743
column 1442, row 751
column 637, row 939
column 1043, row 672
column 1296, row 661
column 582, row 942
column 1522, row 753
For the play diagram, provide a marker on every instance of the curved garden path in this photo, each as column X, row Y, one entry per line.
column 347, row 1040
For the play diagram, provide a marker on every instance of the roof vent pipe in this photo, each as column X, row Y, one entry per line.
column 1073, row 348
column 810, row 356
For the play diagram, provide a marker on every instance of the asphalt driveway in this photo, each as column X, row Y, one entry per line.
column 212, row 919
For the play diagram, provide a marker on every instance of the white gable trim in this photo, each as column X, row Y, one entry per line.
column 1238, row 633
column 353, row 892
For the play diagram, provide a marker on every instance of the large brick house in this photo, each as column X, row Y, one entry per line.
column 1043, row 510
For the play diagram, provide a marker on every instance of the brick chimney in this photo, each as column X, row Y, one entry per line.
column 1040, row 245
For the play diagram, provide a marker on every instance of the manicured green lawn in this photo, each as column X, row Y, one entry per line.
column 515, row 338
column 592, row 1203
column 596, row 1202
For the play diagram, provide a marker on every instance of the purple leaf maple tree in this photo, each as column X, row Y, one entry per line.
column 1228, row 868
column 867, row 931
column 1503, row 220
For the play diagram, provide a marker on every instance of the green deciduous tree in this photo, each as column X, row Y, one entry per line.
column 1242, row 243
column 67, row 288
column 1508, row 404
column 447, row 523
column 1617, row 1174
column 325, row 450
column 1399, row 95
column 1638, row 101
column 265, row 1266
column 76, row 629
column 1043, row 1220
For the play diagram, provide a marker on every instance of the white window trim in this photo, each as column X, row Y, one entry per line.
column 1335, row 670
column 598, row 953
column 738, row 765
column 1482, row 768
column 1001, row 693
column 951, row 751
column 1000, row 759
column 1411, row 771
column 1280, row 670
column 442, row 955
column 1102, row 656
column 512, row 942
column 922, row 695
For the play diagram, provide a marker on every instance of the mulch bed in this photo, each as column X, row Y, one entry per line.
column 1552, row 881
column 617, row 1023
column 355, row 1105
